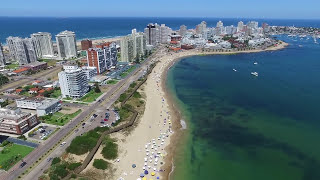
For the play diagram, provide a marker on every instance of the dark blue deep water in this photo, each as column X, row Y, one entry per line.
column 111, row 27
column 246, row 127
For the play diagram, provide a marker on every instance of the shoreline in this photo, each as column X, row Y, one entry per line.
column 180, row 132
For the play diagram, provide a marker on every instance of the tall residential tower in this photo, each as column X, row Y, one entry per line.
column 43, row 44
column 67, row 46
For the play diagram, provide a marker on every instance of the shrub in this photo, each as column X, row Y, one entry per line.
column 132, row 85
column 122, row 97
column 55, row 160
column 4, row 143
column 83, row 144
column 73, row 166
column 110, row 150
column 137, row 95
column 100, row 164
column 73, row 176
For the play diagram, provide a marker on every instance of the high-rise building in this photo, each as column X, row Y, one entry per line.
column 253, row 24
column 2, row 58
column 22, row 50
column 139, row 45
column 202, row 29
column 240, row 26
column 165, row 32
column 127, row 49
column 67, row 46
column 183, row 30
column 86, row 44
column 152, row 33
column 73, row 82
column 95, row 58
column 111, row 54
column 43, row 44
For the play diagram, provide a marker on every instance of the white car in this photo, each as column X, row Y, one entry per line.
column 62, row 144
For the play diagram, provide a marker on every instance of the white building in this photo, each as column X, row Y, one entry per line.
column 127, row 49
column 152, row 33
column 2, row 58
column 183, row 30
column 67, row 46
column 49, row 107
column 240, row 26
column 90, row 72
column 43, row 44
column 22, row 50
column 73, row 82
column 139, row 43
column 165, row 33
column 111, row 55
column 28, row 103
column 202, row 29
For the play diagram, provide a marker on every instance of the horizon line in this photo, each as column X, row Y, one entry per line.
column 194, row 17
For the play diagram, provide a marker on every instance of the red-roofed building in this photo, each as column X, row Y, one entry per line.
column 33, row 90
column 21, row 71
column 175, row 49
column 18, row 91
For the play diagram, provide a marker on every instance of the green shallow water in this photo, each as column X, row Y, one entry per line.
column 245, row 127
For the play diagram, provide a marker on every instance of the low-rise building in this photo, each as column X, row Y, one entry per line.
column 48, row 107
column 14, row 121
column 90, row 72
column 29, row 103
column 35, row 66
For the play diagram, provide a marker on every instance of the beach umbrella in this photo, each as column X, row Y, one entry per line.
column 153, row 173
column 134, row 166
column 144, row 178
column 158, row 177
column 146, row 172
column 141, row 175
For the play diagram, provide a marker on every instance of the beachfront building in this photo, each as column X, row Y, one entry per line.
column 22, row 50
column 139, row 43
column 183, row 30
column 67, row 46
column 86, row 44
column 2, row 58
column 90, row 72
column 111, row 54
column 41, row 105
column 165, row 32
column 152, row 33
column 201, row 29
column 95, row 58
column 73, row 82
column 14, row 121
column 240, row 26
column 43, row 44
column 127, row 46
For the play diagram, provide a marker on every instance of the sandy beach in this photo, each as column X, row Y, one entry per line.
column 151, row 145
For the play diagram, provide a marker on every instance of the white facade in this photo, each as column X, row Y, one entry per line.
column 152, row 33
column 43, row 44
column 21, row 50
column 67, row 46
column 2, row 58
column 90, row 72
column 127, row 49
column 165, row 32
column 111, row 55
column 48, row 107
column 183, row 30
column 28, row 103
column 73, row 82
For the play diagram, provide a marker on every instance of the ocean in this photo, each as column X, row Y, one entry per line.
column 246, row 127
column 106, row 27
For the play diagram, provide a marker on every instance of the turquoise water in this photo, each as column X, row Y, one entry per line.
column 242, row 127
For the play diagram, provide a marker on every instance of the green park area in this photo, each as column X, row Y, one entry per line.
column 11, row 154
column 91, row 96
column 50, row 62
column 59, row 118
column 127, row 72
column 12, row 66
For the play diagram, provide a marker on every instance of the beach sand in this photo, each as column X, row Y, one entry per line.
column 152, row 141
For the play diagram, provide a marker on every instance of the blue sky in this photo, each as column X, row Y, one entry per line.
column 293, row 9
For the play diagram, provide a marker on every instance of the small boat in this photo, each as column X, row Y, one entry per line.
column 255, row 63
column 255, row 74
column 300, row 46
column 234, row 70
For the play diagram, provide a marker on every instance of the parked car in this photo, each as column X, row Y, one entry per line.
column 63, row 143
column 22, row 164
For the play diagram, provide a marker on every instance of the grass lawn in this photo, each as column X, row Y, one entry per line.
column 112, row 81
column 50, row 62
column 124, row 74
column 12, row 154
column 12, row 66
column 59, row 118
column 55, row 94
column 91, row 96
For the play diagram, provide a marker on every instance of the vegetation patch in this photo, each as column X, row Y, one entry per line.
column 11, row 154
column 110, row 150
column 59, row 118
column 3, row 79
column 83, row 144
column 100, row 164
column 91, row 96
column 112, row 81
column 73, row 166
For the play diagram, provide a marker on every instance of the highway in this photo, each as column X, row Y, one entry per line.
column 107, row 100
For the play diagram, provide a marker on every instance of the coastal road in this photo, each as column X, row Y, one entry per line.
column 111, row 96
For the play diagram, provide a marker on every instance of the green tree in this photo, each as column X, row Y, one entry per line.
column 97, row 89
column 100, row 164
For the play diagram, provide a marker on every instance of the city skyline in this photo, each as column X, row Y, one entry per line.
column 205, row 8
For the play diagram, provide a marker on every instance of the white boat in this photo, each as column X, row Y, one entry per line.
column 300, row 46
column 255, row 74
column 255, row 63
column 234, row 70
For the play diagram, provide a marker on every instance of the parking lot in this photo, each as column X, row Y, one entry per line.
column 42, row 132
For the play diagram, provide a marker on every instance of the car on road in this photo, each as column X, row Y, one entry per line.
column 106, row 119
column 83, row 124
column 63, row 143
column 22, row 164
column 76, row 130
column 49, row 159
column 102, row 122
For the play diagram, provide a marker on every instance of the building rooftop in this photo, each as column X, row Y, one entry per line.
column 21, row 70
column 47, row 103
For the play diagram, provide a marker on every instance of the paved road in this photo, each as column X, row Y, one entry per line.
column 111, row 96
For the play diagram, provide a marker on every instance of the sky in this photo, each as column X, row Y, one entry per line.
column 281, row 9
